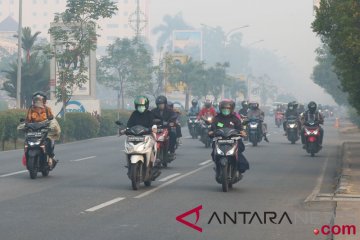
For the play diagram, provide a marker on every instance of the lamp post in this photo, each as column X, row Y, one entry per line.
column 18, row 80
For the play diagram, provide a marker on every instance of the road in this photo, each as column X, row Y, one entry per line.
column 88, row 196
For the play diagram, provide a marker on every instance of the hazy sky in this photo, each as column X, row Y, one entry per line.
column 284, row 25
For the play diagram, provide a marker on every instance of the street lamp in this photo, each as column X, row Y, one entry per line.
column 18, row 80
column 227, row 35
column 256, row 42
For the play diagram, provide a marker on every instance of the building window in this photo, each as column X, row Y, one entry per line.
column 34, row 1
column 126, row 26
column 126, row 13
column 12, row 2
column 112, row 25
column 45, row 1
column 45, row 14
column 34, row 26
column 57, row 1
column 45, row 26
column 126, row 1
column 34, row 14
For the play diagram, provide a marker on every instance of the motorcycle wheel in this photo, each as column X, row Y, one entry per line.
column 45, row 169
column 225, row 180
column 33, row 170
column 312, row 154
column 135, row 176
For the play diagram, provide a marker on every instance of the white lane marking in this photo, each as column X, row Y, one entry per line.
column 171, row 181
column 105, row 204
column 169, row 177
column 206, row 162
column 14, row 173
column 319, row 181
column 82, row 159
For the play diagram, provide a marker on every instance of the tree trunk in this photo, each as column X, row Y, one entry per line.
column 122, row 94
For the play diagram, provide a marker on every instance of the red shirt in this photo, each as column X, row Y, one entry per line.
column 207, row 112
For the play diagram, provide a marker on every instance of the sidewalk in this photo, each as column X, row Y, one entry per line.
column 348, row 189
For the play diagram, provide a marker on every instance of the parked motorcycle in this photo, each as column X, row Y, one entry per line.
column 226, row 157
column 312, row 136
column 35, row 148
column 193, row 125
column 292, row 129
column 255, row 131
column 140, row 150
column 205, row 125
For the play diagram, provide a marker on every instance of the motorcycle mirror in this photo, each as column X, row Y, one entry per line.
column 118, row 123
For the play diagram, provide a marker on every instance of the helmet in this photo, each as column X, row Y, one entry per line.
column 245, row 104
column 254, row 105
column 194, row 102
column 226, row 107
column 141, row 101
column 39, row 94
column 291, row 106
column 208, row 103
column 161, row 100
column 312, row 106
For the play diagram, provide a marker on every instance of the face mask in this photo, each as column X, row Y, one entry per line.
column 225, row 112
column 161, row 106
column 141, row 109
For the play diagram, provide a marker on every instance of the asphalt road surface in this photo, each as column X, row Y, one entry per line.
column 88, row 196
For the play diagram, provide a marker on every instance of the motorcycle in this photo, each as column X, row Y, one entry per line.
column 292, row 129
column 162, row 143
column 255, row 131
column 140, row 150
column 205, row 125
column 37, row 159
column 226, row 157
column 312, row 136
column 193, row 125
column 245, row 122
column 279, row 119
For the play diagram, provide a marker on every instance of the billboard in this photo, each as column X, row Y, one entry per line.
column 188, row 42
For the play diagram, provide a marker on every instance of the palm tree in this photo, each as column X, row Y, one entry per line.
column 28, row 41
column 170, row 23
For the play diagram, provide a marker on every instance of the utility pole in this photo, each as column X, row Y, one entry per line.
column 138, row 20
column 18, row 81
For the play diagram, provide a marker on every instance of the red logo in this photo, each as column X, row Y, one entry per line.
column 196, row 210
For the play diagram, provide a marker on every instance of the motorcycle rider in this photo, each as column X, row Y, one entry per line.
column 245, row 108
column 257, row 113
column 195, row 109
column 291, row 111
column 144, row 117
column 39, row 112
column 164, row 113
column 177, row 114
column 207, row 110
column 312, row 114
column 227, row 119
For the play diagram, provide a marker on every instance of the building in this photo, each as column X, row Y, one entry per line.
column 8, row 30
column 38, row 14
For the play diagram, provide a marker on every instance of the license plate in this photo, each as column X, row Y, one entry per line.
column 34, row 134
column 136, row 138
column 226, row 141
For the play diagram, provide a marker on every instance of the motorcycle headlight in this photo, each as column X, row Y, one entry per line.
column 231, row 151
column 219, row 152
column 307, row 132
column 196, row 121
column 253, row 126
column 34, row 143
column 292, row 125
column 316, row 132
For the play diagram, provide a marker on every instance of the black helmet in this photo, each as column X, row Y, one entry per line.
column 208, row 103
column 161, row 100
column 254, row 105
column 40, row 94
column 227, row 104
column 312, row 106
column 141, row 101
column 194, row 102
column 245, row 104
column 291, row 106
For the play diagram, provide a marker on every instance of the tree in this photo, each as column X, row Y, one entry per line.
column 324, row 76
column 28, row 41
column 35, row 70
column 188, row 73
column 74, row 34
column 337, row 23
column 166, row 29
column 127, row 68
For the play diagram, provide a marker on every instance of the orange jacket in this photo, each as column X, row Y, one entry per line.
column 36, row 114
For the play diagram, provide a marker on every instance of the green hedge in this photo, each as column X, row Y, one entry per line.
column 9, row 120
column 78, row 126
